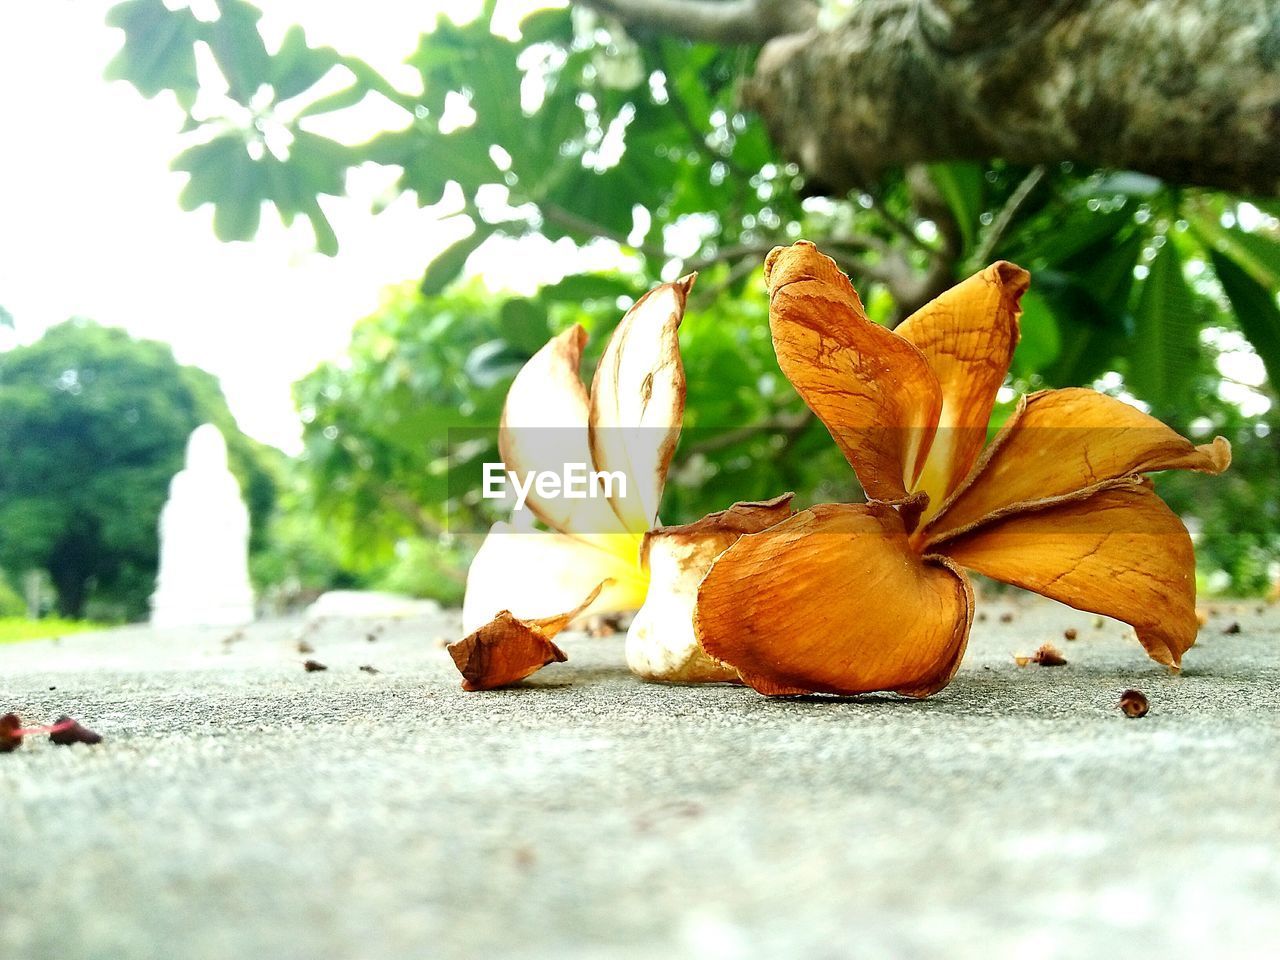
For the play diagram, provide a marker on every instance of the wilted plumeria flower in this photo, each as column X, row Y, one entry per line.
column 851, row 598
column 629, row 423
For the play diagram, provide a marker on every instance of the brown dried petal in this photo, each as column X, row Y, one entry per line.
column 834, row 600
column 661, row 644
column 507, row 649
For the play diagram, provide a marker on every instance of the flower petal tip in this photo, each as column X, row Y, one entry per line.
column 1013, row 278
column 1218, row 453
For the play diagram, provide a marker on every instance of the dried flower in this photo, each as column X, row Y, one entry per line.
column 851, row 598
column 629, row 423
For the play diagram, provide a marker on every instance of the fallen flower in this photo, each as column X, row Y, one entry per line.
column 661, row 644
column 1134, row 704
column 852, row 598
column 507, row 649
column 628, row 423
column 66, row 731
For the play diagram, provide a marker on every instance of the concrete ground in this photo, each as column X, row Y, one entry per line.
column 243, row 808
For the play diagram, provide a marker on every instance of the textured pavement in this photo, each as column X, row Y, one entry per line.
column 241, row 807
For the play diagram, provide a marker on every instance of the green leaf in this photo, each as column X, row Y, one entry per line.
column 524, row 325
column 1040, row 343
column 492, row 363
column 6, row 318
column 963, row 188
column 1255, row 309
column 581, row 287
column 339, row 100
column 238, row 48
column 1258, row 254
column 298, row 67
column 222, row 173
column 1164, row 350
column 159, row 49
column 446, row 267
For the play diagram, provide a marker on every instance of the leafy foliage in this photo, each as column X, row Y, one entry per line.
column 575, row 129
column 94, row 424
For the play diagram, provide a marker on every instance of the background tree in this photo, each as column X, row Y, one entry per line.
column 1090, row 142
column 93, row 425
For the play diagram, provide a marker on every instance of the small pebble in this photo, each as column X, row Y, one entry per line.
column 1070, row 633
column 1232, row 628
column 1134, row 704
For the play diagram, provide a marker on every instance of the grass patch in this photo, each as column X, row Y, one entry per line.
column 20, row 628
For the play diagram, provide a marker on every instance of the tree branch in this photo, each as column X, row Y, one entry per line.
column 1010, row 210
column 716, row 21
column 1184, row 90
column 581, row 225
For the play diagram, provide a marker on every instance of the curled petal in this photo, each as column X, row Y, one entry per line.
column 538, row 574
column 1060, row 442
column 967, row 335
column 660, row 643
column 872, row 389
column 507, row 649
column 544, row 428
column 834, row 600
column 637, row 402
column 1118, row 551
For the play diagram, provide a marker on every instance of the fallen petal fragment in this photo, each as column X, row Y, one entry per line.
column 508, row 649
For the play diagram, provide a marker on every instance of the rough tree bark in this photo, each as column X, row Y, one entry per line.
column 1185, row 90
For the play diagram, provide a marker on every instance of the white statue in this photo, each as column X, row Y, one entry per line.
column 204, row 542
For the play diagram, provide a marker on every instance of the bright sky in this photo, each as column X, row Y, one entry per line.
column 90, row 225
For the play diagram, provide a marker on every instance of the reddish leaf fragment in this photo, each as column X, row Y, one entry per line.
column 66, row 731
